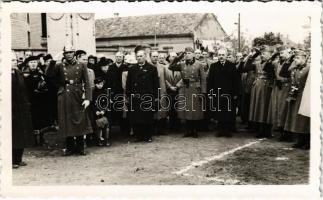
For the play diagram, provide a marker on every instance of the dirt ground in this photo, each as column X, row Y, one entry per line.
column 263, row 162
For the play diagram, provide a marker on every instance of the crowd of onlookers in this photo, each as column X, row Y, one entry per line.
column 264, row 88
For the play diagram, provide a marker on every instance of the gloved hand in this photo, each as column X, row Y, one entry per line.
column 86, row 103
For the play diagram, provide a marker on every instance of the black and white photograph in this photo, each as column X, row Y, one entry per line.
column 164, row 95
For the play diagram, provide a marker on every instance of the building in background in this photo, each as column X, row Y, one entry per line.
column 29, row 32
column 49, row 33
column 164, row 32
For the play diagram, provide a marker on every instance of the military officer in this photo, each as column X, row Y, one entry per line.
column 192, row 89
column 261, row 91
column 73, row 119
column 295, row 122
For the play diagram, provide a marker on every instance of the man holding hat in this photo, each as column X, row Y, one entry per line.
column 73, row 120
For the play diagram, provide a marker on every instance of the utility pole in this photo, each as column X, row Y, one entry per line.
column 72, row 38
column 155, row 38
column 239, row 35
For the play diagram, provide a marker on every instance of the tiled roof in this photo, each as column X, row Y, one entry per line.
column 147, row 25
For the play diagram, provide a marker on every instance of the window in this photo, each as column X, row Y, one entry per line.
column 43, row 25
column 28, row 35
column 28, row 20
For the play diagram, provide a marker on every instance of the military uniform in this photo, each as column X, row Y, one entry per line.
column 260, row 97
column 247, row 71
column 192, row 88
column 295, row 122
column 278, row 97
column 142, row 80
column 73, row 119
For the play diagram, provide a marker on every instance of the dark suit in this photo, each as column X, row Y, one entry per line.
column 115, row 72
column 223, row 80
column 142, row 80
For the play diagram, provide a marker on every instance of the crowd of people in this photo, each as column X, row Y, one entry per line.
column 146, row 93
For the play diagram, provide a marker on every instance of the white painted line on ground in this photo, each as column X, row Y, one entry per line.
column 215, row 157
column 219, row 180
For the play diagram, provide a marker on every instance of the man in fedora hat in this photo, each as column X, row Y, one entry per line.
column 73, row 119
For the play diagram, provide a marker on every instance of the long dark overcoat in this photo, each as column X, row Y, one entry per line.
column 260, row 94
column 73, row 120
column 223, row 80
column 278, row 97
column 142, row 80
column 194, row 103
column 115, row 71
column 39, row 98
column 295, row 122
column 21, row 117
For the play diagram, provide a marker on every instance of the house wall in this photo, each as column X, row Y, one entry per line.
column 20, row 28
column 109, row 47
column 209, row 29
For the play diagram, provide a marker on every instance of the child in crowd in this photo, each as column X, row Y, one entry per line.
column 101, row 108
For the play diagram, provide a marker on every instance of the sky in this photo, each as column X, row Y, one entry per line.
column 256, row 17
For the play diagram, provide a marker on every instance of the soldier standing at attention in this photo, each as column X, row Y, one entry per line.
column 73, row 120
